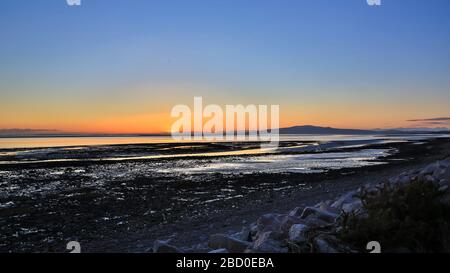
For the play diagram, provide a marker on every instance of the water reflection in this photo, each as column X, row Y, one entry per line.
column 294, row 163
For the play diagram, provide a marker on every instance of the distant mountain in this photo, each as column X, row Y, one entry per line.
column 423, row 129
column 295, row 130
column 20, row 132
column 26, row 132
column 317, row 130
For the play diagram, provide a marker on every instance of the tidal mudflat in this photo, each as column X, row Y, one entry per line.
column 123, row 197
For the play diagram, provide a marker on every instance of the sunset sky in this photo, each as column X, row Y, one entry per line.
column 119, row 66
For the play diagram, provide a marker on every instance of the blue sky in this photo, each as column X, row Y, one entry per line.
column 313, row 57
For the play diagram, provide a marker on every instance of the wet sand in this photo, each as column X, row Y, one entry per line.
column 127, row 214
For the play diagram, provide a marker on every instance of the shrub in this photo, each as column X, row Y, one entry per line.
column 407, row 218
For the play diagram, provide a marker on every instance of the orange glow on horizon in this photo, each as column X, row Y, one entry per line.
column 132, row 118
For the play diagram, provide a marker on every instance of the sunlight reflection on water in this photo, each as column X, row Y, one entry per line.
column 301, row 163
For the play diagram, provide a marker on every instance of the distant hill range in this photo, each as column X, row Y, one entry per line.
column 317, row 130
column 295, row 130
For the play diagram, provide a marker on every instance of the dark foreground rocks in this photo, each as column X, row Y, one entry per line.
column 415, row 202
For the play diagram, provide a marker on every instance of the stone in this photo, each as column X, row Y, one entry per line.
column 243, row 235
column 322, row 246
column 320, row 214
column 233, row 245
column 269, row 222
column 371, row 189
column 443, row 188
column 429, row 178
column 429, row 169
column 443, row 177
column 314, row 222
column 445, row 163
column 189, row 250
column 351, row 207
column 403, row 180
column 297, row 233
column 439, row 171
column 326, row 206
column 296, row 212
column 347, row 198
column 287, row 223
column 269, row 242
column 219, row 251
column 160, row 246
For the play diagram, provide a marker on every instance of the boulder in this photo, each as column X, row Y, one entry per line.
column 233, row 245
column 296, row 212
column 314, row 222
column 439, row 171
column 443, row 188
column 352, row 207
column 297, row 233
column 287, row 223
column 319, row 214
column 321, row 245
column 429, row 178
column 269, row 242
column 160, row 246
column 326, row 206
column 445, row 163
column 253, row 230
column 270, row 222
column 245, row 234
column 429, row 169
column 444, row 177
column 402, row 179
column 371, row 189
column 347, row 198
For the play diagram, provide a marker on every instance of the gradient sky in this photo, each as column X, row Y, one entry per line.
column 120, row 65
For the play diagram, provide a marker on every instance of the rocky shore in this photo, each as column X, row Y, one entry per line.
column 332, row 226
column 124, row 206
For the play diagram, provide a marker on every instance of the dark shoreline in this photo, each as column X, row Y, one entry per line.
column 59, row 219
